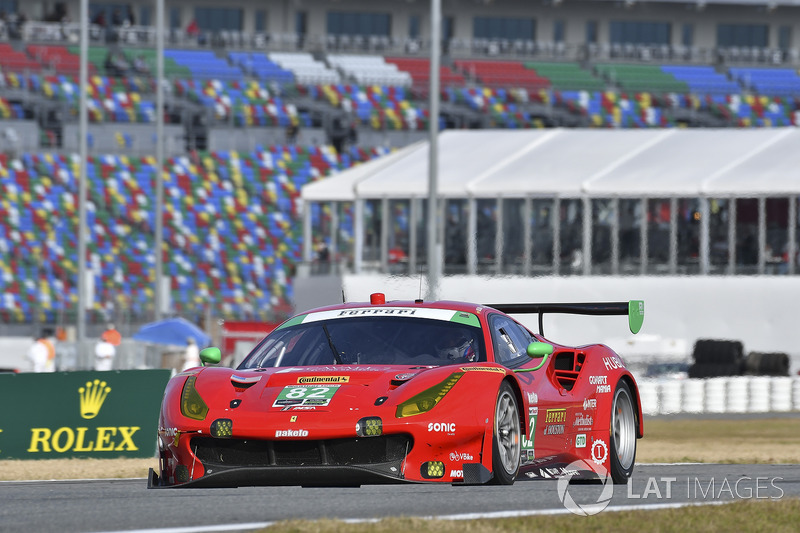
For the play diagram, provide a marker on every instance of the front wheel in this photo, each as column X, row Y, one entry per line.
column 623, row 434
column 506, row 442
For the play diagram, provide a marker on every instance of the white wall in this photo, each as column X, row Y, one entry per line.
column 762, row 312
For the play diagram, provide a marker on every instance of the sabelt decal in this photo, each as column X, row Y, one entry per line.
column 305, row 395
column 323, row 379
column 483, row 369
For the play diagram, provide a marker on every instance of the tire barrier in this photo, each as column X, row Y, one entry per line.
column 739, row 394
column 767, row 364
column 718, row 352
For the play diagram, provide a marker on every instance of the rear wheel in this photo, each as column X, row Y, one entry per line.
column 623, row 434
column 506, row 442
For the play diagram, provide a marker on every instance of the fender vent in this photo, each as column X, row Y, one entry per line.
column 567, row 366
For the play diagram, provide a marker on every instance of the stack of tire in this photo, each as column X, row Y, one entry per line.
column 717, row 357
column 766, row 364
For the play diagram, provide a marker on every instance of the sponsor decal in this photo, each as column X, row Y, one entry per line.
column 598, row 380
column 580, row 440
column 599, row 452
column 81, row 439
column 555, row 429
column 555, row 415
column 442, row 427
column 305, row 395
column 283, row 433
column 92, row 397
column 456, row 456
column 589, row 403
column 483, row 369
column 613, row 363
column 527, row 442
column 533, row 398
column 293, row 418
column 582, row 420
column 299, row 408
column 323, row 379
column 377, row 311
column 457, row 474
column 603, row 389
column 533, row 411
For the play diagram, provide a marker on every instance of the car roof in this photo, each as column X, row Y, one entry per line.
column 437, row 304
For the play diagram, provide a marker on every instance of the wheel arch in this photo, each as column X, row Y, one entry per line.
column 628, row 379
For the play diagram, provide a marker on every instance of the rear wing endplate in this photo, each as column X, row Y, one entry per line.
column 633, row 308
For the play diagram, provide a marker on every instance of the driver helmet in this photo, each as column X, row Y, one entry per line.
column 457, row 346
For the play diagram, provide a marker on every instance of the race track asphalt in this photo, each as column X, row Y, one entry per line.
column 127, row 505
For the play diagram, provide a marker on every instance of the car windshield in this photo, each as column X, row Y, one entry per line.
column 370, row 340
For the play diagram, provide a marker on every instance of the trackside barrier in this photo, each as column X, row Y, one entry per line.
column 80, row 414
column 736, row 394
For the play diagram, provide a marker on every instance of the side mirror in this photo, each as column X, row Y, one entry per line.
column 539, row 350
column 210, row 356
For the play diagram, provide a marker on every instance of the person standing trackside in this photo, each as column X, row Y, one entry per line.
column 191, row 357
column 42, row 354
column 104, row 353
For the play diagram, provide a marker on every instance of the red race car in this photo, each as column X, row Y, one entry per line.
column 404, row 391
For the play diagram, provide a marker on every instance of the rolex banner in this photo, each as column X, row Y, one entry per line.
column 80, row 414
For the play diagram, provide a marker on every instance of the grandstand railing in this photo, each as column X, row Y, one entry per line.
column 34, row 31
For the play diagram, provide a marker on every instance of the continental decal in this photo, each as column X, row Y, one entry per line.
column 482, row 369
column 323, row 379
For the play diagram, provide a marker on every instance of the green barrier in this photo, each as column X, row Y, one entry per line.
column 80, row 414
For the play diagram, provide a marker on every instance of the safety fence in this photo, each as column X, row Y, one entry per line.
column 736, row 394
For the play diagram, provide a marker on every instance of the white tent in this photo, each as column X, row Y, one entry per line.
column 576, row 162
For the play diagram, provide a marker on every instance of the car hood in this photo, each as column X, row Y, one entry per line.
column 321, row 389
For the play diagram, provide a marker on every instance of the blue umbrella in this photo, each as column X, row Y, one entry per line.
column 172, row 331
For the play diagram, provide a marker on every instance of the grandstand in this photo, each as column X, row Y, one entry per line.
column 349, row 78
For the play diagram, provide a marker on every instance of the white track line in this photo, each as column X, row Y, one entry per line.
column 467, row 516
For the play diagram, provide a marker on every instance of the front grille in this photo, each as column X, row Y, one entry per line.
column 330, row 452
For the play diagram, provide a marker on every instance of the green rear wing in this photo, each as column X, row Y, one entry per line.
column 633, row 308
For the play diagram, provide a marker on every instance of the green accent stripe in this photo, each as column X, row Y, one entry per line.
column 293, row 321
column 466, row 318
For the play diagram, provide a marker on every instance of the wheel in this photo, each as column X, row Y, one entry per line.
column 506, row 444
column 623, row 434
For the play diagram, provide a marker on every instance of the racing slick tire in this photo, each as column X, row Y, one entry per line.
column 622, row 454
column 507, row 437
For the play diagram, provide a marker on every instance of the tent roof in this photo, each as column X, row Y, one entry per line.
column 576, row 162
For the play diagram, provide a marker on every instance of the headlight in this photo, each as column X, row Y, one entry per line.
column 192, row 405
column 427, row 399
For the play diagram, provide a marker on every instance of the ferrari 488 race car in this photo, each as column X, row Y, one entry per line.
column 404, row 391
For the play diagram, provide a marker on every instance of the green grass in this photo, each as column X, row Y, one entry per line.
column 751, row 515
